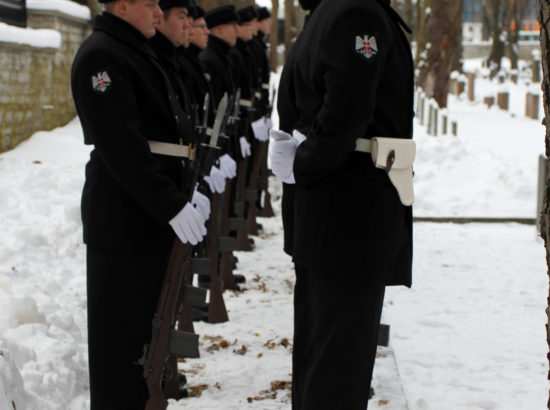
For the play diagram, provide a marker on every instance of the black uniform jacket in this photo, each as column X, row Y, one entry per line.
column 216, row 63
column 189, row 60
column 122, row 101
column 353, row 77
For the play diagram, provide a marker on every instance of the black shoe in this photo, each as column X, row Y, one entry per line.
column 371, row 393
column 239, row 278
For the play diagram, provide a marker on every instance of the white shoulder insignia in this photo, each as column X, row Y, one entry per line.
column 366, row 46
column 101, row 82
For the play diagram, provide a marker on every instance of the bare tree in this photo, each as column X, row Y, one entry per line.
column 274, row 36
column 498, row 15
column 444, row 49
column 518, row 9
column 544, row 20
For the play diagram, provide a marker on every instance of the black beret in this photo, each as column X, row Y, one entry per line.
column 244, row 15
column 221, row 15
column 168, row 4
column 197, row 11
column 263, row 13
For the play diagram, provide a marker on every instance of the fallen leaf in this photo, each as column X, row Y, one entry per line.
column 218, row 386
column 270, row 344
column 260, row 355
column 224, row 344
column 37, row 162
column 196, row 391
column 284, row 342
column 213, row 338
column 213, row 347
column 383, row 402
column 281, row 385
column 241, row 351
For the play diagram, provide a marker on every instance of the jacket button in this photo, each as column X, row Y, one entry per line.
column 177, row 119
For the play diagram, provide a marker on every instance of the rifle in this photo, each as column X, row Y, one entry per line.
column 267, row 210
column 228, row 243
column 165, row 339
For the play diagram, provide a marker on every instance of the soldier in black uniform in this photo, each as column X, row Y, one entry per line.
column 132, row 200
column 349, row 75
column 222, row 23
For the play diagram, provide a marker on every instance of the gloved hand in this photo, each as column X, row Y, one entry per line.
column 245, row 147
column 216, row 180
column 260, row 132
column 282, row 150
column 189, row 225
column 202, row 204
column 228, row 166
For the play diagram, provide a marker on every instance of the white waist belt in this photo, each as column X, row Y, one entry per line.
column 265, row 86
column 245, row 103
column 172, row 150
column 396, row 156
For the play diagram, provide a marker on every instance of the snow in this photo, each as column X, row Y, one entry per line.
column 469, row 335
column 70, row 8
column 41, row 38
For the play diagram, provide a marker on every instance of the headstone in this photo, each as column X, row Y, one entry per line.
column 471, row 86
column 454, row 128
column 489, row 101
column 444, row 124
column 532, row 106
column 503, row 98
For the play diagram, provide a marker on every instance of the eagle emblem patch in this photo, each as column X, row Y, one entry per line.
column 101, row 82
column 366, row 46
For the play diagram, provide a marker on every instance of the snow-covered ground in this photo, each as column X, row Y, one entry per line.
column 469, row 334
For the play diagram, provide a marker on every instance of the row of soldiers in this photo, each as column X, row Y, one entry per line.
column 176, row 102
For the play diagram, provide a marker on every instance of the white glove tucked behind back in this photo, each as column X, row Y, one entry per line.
column 189, row 225
column 282, row 150
column 228, row 166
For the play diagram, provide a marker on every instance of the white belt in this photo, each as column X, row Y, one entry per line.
column 245, row 103
column 172, row 150
column 265, row 86
column 363, row 145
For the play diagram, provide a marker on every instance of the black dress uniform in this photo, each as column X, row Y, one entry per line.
column 215, row 57
column 129, row 196
column 349, row 76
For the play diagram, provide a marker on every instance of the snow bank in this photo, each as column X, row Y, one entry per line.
column 41, row 38
column 67, row 7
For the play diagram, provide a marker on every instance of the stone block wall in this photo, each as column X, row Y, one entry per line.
column 35, row 92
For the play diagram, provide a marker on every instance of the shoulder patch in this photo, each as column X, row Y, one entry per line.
column 366, row 46
column 101, row 82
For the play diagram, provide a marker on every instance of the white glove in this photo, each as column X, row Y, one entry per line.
column 202, row 204
column 216, row 180
column 189, row 225
column 260, row 132
column 282, row 150
column 228, row 166
column 245, row 147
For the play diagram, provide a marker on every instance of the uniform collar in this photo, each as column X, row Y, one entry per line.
column 218, row 45
column 123, row 31
column 192, row 51
column 162, row 45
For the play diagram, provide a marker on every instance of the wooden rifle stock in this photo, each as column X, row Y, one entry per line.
column 157, row 352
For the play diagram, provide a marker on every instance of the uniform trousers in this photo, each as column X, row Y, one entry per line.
column 336, row 322
column 122, row 290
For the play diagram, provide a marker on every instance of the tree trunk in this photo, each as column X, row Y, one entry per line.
column 544, row 20
column 443, row 55
column 289, row 25
column 274, row 36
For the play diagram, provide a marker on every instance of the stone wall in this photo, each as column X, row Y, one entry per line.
column 35, row 91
